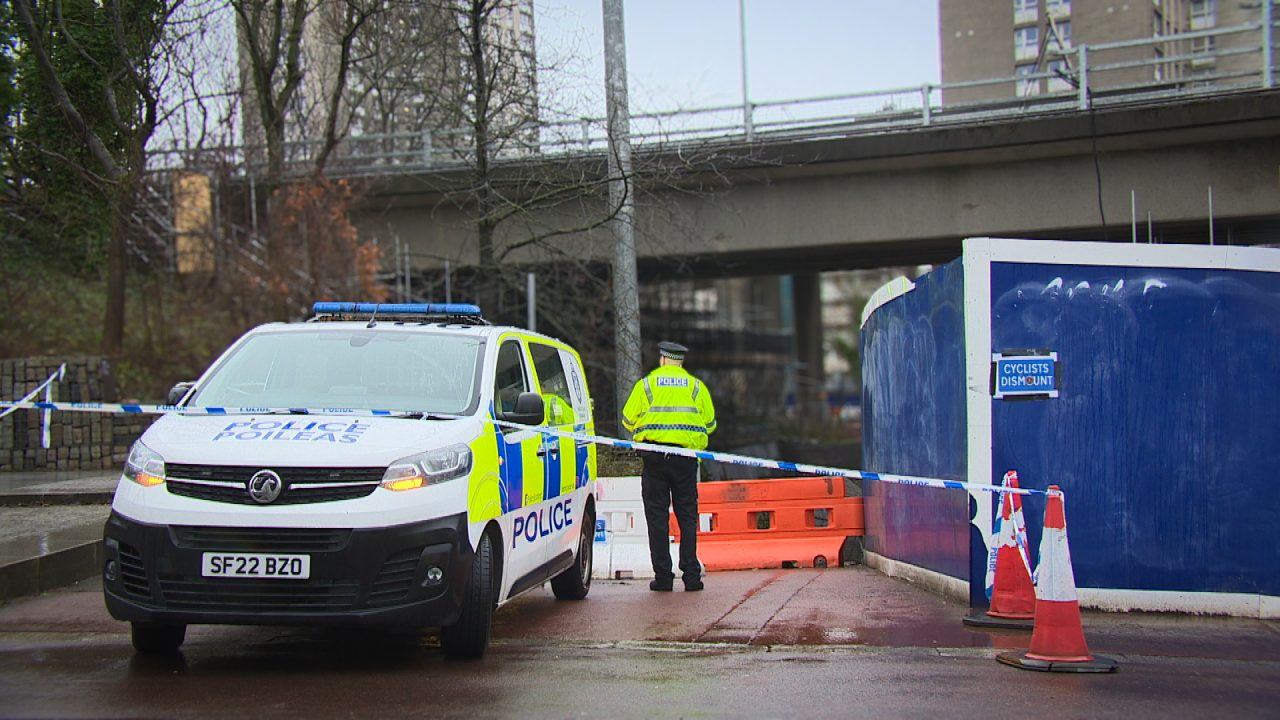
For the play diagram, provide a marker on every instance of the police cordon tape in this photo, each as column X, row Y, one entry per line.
column 45, row 386
column 728, row 458
column 26, row 400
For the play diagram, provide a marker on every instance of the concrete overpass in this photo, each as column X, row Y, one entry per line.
column 845, row 201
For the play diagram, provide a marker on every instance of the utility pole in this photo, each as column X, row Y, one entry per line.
column 626, row 297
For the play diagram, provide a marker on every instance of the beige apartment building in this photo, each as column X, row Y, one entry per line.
column 993, row 39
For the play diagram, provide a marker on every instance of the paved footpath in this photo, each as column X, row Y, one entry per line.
column 777, row 643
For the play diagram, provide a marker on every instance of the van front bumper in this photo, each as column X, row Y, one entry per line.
column 375, row 576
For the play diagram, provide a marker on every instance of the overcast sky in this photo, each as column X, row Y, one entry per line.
column 685, row 53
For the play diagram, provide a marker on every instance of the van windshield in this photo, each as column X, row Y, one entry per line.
column 358, row 369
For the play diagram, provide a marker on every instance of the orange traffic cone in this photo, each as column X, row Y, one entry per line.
column 1013, row 597
column 1057, row 644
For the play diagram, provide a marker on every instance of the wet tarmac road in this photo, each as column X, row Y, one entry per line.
column 883, row 648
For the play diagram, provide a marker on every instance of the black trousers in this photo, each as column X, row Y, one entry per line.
column 671, row 482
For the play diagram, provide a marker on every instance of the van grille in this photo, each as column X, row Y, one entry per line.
column 323, row 484
column 259, row 596
column 271, row 540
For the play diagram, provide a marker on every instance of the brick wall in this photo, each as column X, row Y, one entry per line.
column 79, row 441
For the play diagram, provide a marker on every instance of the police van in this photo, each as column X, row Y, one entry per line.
column 357, row 478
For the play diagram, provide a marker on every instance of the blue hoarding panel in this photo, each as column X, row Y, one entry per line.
column 1166, row 432
column 913, row 422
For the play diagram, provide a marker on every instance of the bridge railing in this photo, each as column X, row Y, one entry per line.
column 1075, row 78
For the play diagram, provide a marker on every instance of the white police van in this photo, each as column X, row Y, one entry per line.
column 421, row 513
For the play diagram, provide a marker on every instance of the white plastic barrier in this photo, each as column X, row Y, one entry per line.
column 624, row 550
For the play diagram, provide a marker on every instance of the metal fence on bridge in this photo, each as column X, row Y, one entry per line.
column 1163, row 68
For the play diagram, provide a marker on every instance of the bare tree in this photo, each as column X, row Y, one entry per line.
column 270, row 41
column 298, row 60
column 400, row 57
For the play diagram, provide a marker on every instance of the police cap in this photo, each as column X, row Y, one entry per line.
column 672, row 350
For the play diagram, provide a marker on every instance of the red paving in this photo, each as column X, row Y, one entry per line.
column 837, row 606
column 847, row 606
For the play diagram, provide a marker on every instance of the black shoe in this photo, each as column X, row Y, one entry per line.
column 661, row 585
column 692, row 584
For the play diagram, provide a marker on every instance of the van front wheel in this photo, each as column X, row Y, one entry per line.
column 468, row 637
column 575, row 583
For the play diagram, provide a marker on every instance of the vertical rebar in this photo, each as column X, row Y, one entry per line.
column 1133, row 215
column 1210, row 214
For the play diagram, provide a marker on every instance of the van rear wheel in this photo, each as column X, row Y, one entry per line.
column 468, row 637
column 154, row 639
column 575, row 583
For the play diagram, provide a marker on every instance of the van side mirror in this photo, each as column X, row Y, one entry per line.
column 529, row 410
column 179, row 391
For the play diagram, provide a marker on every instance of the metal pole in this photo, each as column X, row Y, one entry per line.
column 253, row 207
column 399, row 284
column 531, row 298
column 786, row 306
column 626, row 297
column 1210, row 214
column 1267, row 30
column 1133, row 215
column 1084, row 76
column 926, row 104
column 448, row 283
column 1148, row 227
column 748, row 122
column 408, row 275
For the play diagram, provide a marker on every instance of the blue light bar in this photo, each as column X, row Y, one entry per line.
column 431, row 309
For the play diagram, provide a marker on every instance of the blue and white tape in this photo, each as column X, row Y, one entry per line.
column 25, row 402
column 46, row 416
column 728, row 458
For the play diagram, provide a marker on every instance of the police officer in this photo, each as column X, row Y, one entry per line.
column 671, row 407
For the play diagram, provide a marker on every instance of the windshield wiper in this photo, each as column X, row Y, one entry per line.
column 425, row 416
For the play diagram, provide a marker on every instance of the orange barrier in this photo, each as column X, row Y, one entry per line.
column 747, row 524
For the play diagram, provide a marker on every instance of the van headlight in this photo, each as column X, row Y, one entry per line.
column 428, row 468
column 144, row 466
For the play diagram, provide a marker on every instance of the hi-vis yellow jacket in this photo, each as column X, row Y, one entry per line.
column 670, row 406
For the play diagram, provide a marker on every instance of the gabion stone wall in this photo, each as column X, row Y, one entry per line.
column 79, row 441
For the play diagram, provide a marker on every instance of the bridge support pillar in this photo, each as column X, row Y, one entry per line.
column 807, row 301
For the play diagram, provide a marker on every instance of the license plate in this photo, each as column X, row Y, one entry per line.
column 256, row 565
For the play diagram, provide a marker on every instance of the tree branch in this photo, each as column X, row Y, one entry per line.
column 54, row 84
